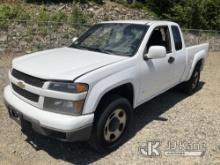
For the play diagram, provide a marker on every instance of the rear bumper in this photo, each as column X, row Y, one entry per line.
column 63, row 127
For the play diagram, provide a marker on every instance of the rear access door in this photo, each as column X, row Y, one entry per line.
column 179, row 63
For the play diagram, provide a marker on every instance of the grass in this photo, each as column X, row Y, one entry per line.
column 33, row 22
column 9, row 12
column 42, row 16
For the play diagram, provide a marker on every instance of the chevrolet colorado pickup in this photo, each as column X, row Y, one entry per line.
column 88, row 90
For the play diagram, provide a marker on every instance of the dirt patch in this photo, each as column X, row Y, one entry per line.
column 171, row 117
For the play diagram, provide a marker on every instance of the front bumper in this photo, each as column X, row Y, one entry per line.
column 64, row 127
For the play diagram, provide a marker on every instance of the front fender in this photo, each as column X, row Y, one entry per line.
column 107, row 84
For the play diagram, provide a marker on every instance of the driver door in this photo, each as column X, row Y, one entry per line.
column 156, row 73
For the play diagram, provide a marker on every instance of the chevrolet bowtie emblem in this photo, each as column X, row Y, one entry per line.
column 21, row 84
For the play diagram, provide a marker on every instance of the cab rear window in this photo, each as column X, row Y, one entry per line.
column 177, row 37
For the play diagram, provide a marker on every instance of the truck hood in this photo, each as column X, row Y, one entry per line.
column 62, row 63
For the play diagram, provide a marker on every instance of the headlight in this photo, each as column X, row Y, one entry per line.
column 68, row 87
column 63, row 106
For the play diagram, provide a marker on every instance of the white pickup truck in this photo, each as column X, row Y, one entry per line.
column 88, row 91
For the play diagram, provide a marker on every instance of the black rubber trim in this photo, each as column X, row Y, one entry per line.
column 28, row 78
column 26, row 94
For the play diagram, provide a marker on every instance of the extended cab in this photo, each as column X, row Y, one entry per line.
column 88, row 91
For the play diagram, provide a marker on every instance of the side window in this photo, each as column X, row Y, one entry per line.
column 160, row 37
column 177, row 37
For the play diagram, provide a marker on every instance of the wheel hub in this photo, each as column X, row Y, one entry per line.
column 115, row 125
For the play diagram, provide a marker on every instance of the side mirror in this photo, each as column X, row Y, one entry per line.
column 155, row 52
column 74, row 39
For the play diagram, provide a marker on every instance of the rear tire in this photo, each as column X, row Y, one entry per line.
column 112, row 124
column 192, row 84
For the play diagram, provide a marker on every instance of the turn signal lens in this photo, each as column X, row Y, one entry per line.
column 80, row 87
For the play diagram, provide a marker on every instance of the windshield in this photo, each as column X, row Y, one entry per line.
column 111, row 38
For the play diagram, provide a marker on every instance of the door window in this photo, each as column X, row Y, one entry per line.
column 160, row 37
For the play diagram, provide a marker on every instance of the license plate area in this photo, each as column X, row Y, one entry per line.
column 15, row 115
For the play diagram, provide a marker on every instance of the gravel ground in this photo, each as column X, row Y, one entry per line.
column 171, row 118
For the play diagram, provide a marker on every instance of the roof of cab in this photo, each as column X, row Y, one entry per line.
column 143, row 22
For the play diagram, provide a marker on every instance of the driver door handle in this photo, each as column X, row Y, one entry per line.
column 171, row 60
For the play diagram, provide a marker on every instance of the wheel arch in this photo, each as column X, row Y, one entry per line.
column 125, row 90
column 198, row 61
column 200, row 64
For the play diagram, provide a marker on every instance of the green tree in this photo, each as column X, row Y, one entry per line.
column 198, row 14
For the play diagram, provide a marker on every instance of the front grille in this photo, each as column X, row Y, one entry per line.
column 27, row 78
column 26, row 94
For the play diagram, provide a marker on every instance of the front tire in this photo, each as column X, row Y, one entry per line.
column 112, row 123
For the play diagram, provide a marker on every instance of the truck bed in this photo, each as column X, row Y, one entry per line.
column 194, row 52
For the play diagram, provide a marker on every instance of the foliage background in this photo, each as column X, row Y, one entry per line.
column 195, row 14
